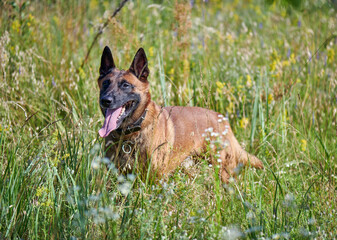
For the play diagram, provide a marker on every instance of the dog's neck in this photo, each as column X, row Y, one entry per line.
column 133, row 128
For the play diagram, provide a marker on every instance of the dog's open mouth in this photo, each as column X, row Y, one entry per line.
column 115, row 117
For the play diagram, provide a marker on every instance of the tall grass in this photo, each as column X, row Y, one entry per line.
column 265, row 66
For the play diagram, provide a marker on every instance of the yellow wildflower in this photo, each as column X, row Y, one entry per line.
column 273, row 66
column 47, row 203
column 3, row 129
column 270, row 98
column 331, row 55
column 81, row 73
column 285, row 63
column 171, row 72
column 187, row 92
column 40, row 191
column 186, row 70
column 303, row 145
column 258, row 10
column 275, row 56
column 229, row 38
column 220, row 86
column 55, row 161
column 276, row 75
column 186, row 64
column 240, row 87
column 273, row 6
column 230, row 107
column 244, row 122
column 31, row 20
column 280, row 42
column 93, row 4
column 236, row 17
column 56, row 20
column 249, row 81
column 106, row 4
column 285, row 116
column 16, row 25
column 54, row 137
column 292, row 58
column 151, row 51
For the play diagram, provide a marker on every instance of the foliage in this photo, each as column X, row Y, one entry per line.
column 270, row 70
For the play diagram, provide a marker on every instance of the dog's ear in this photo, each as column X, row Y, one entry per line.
column 139, row 65
column 107, row 62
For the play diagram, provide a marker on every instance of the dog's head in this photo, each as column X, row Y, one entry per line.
column 124, row 95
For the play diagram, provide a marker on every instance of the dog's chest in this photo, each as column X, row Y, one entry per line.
column 124, row 152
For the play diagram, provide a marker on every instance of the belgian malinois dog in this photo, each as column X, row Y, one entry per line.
column 160, row 137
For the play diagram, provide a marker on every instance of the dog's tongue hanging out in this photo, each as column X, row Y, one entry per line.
column 110, row 122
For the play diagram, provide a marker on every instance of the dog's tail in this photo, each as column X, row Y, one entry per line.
column 248, row 159
column 242, row 156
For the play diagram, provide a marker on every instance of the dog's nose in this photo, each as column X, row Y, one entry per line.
column 106, row 101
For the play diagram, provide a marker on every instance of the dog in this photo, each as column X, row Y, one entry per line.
column 160, row 138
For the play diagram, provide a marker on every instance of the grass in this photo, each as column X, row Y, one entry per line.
column 265, row 66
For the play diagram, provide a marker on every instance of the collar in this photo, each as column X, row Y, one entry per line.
column 135, row 127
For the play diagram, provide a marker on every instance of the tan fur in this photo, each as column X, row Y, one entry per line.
column 171, row 134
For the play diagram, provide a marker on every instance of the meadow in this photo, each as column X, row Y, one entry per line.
column 271, row 68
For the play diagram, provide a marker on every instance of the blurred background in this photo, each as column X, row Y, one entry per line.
column 270, row 66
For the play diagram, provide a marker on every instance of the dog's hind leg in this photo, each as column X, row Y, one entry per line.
column 228, row 165
column 234, row 157
column 233, row 163
column 248, row 159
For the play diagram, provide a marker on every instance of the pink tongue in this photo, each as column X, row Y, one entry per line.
column 110, row 122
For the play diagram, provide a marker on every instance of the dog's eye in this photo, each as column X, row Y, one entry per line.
column 106, row 83
column 125, row 85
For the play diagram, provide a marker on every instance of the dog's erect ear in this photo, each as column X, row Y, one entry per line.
column 139, row 65
column 107, row 62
